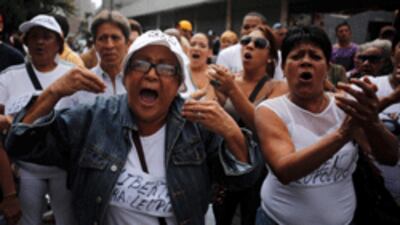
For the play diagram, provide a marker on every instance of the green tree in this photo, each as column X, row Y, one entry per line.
column 17, row 11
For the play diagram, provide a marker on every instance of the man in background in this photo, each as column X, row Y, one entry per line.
column 344, row 50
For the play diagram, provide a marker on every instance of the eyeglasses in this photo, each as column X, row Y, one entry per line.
column 162, row 69
column 259, row 43
column 370, row 58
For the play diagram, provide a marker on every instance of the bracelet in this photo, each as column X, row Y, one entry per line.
column 10, row 195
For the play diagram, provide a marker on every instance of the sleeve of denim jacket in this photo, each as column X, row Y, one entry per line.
column 229, row 170
column 47, row 141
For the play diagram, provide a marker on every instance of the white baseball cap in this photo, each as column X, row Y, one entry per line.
column 157, row 37
column 45, row 21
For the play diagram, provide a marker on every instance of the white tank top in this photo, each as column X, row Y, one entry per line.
column 326, row 195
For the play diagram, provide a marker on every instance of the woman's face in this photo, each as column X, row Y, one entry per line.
column 152, row 81
column 199, row 50
column 306, row 69
column 43, row 45
column 255, row 51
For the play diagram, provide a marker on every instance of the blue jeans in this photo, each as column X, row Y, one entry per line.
column 263, row 219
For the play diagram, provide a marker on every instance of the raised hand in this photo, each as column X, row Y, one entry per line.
column 221, row 78
column 77, row 79
column 210, row 114
column 364, row 106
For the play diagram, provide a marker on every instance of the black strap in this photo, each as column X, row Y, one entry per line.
column 139, row 148
column 140, row 152
column 33, row 76
column 258, row 87
column 253, row 95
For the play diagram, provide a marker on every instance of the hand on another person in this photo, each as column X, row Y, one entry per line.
column 77, row 79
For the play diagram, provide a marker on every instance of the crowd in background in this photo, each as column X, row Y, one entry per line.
column 268, row 122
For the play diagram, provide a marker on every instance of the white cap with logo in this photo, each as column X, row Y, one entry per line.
column 45, row 21
column 157, row 37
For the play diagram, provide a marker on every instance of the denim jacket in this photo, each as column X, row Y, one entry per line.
column 92, row 144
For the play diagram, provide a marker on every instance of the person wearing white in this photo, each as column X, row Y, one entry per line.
column 231, row 57
column 111, row 31
column 306, row 138
column 44, row 39
column 147, row 192
column 390, row 117
column 328, row 188
column 102, row 168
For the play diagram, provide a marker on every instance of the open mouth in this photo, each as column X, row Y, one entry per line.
column 39, row 50
column 148, row 96
column 248, row 55
column 195, row 55
column 306, row 76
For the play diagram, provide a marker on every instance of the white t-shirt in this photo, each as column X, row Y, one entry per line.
column 232, row 59
column 16, row 88
column 326, row 195
column 138, row 197
column 391, row 118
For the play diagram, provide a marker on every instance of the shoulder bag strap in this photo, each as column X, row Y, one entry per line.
column 253, row 95
column 33, row 77
column 258, row 88
column 139, row 148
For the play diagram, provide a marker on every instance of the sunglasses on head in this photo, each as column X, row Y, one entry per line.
column 370, row 58
column 259, row 43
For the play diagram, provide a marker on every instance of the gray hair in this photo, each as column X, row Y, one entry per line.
column 385, row 45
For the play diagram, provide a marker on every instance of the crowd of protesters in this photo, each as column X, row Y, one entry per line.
column 151, row 127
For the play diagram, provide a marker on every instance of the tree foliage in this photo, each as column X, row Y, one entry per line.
column 17, row 11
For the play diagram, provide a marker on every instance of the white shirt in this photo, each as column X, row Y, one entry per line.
column 138, row 197
column 324, row 196
column 231, row 58
column 391, row 174
column 16, row 89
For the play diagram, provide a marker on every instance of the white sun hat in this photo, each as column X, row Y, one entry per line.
column 42, row 20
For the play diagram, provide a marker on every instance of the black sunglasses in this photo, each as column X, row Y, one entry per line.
column 259, row 43
column 370, row 58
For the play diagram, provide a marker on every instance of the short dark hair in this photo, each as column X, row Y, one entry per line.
column 135, row 26
column 114, row 17
column 63, row 22
column 257, row 14
column 306, row 34
column 345, row 23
